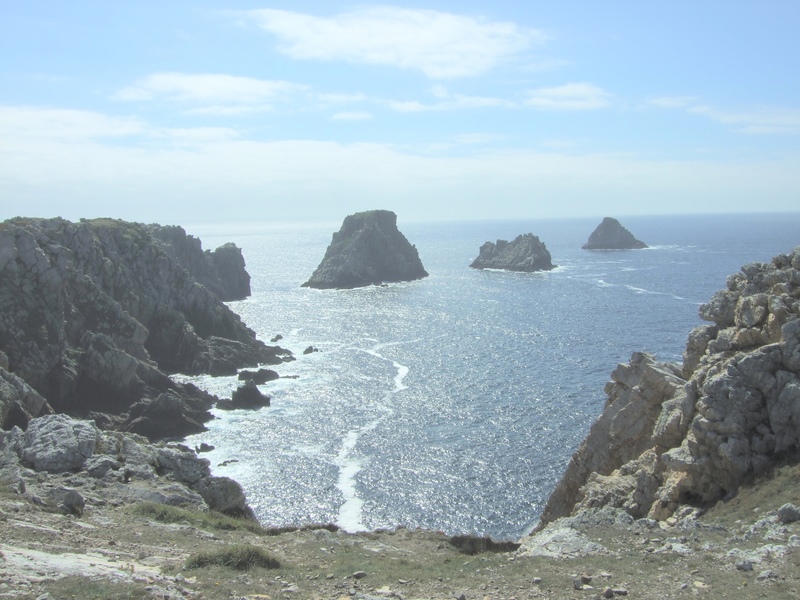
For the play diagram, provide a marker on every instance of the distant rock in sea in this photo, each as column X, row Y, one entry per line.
column 526, row 253
column 611, row 235
column 367, row 250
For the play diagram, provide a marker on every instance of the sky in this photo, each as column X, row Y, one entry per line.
column 203, row 110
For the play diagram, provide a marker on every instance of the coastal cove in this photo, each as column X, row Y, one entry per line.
column 453, row 403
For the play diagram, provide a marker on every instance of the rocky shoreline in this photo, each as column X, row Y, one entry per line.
column 674, row 444
column 95, row 315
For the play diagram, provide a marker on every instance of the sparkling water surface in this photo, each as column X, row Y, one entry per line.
column 454, row 403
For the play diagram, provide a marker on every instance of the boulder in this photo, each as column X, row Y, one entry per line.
column 611, row 235
column 526, row 253
column 58, row 444
column 224, row 495
column 367, row 250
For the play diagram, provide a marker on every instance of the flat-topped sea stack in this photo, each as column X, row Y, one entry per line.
column 611, row 235
column 367, row 250
column 526, row 253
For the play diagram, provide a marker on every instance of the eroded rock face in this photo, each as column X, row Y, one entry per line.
column 93, row 314
column 611, row 235
column 525, row 253
column 671, row 435
column 367, row 250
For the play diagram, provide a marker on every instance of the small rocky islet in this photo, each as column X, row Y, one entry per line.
column 611, row 235
column 526, row 253
column 367, row 250
column 80, row 300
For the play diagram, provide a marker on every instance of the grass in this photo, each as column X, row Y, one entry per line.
column 211, row 520
column 240, row 557
column 84, row 588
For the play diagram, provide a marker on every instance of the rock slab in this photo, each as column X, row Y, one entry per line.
column 611, row 235
column 367, row 250
column 525, row 253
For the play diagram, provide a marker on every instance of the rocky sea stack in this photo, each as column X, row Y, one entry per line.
column 367, row 250
column 95, row 314
column 611, row 235
column 526, row 253
column 676, row 437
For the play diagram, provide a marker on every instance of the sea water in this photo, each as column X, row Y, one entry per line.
column 454, row 403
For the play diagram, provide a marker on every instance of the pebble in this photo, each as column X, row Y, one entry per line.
column 359, row 575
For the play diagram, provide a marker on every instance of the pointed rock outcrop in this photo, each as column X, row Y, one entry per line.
column 611, row 235
column 526, row 253
column 367, row 250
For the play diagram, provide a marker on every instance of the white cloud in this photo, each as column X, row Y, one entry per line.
column 441, row 45
column 673, row 101
column 352, row 116
column 757, row 121
column 207, row 87
column 71, row 163
column 450, row 102
column 31, row 122
column 572, row 96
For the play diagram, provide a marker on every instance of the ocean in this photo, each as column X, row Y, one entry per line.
column 454, row 403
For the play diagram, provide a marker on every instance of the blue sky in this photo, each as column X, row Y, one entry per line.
column 185, row 111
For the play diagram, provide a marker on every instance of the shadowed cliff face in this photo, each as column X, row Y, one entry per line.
column 673, row 435
column 367, row 250
column 93, row 313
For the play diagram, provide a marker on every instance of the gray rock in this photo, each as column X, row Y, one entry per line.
column 611, row 235
column 68, row 500
column 58, row 443
column 94, row 314
column 247, row 396
column 788, row 513
column 367, row 250
column 668, row 433
column 525, row 253
column 182, row 465
column 224, row 495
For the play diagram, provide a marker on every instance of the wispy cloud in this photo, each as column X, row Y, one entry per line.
column 352, row 116
column 572, row 96
column 448, row 101
column 757, row 121
column 218, row 89
column 441, row 45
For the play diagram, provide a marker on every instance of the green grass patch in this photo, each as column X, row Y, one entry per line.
column 211, row 520
column 241, row 557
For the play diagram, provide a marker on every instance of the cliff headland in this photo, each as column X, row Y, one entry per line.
column 94, row 315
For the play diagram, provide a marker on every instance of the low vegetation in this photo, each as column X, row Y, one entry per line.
column 241, row 557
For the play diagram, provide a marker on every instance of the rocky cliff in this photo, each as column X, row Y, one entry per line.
column 688, row 435
column 367, row 250
column 611, row 235
column 94, row 314
column 526, row 253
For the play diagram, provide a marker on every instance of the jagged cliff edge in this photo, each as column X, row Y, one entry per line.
column 674, row 437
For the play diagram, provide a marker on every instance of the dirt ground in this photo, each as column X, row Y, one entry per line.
column 735, row 550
